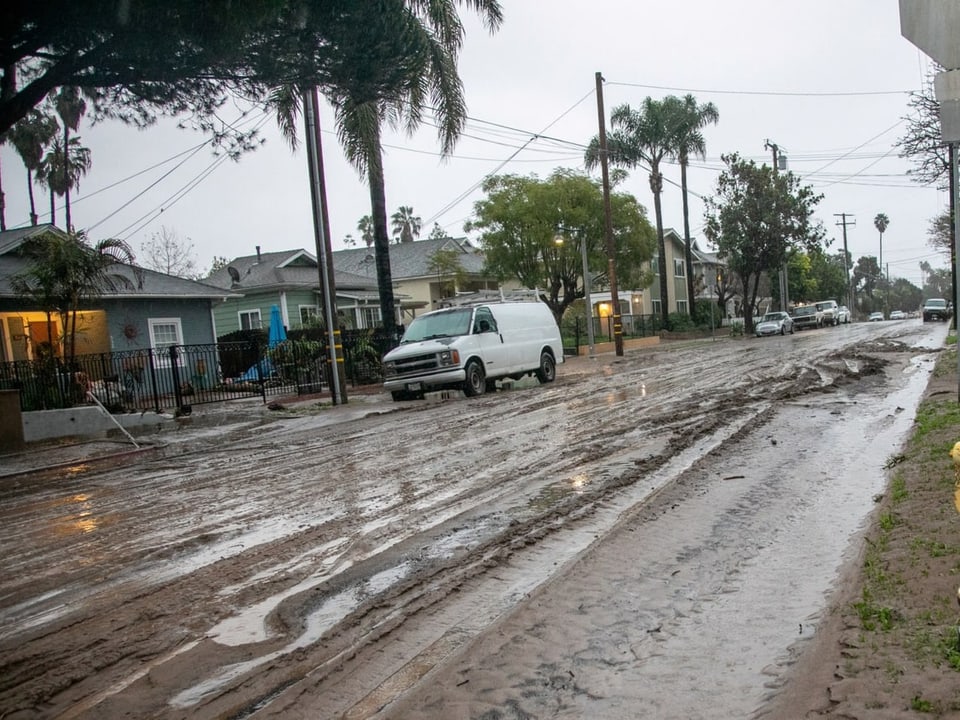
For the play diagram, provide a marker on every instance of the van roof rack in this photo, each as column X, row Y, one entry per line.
column 487, row 297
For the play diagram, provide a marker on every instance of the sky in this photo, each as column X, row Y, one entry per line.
column 827, row 81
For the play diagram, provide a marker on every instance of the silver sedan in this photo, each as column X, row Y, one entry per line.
column 774, row 323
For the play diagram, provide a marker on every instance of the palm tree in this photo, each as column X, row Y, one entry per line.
column 689, row 141
column 30, row 138
column 65, row 271
column 406, row 225
column 70, row 106
column 426, row 36
column 59, row 171
column 881, row 222
column 365, row 227
column 646, row 135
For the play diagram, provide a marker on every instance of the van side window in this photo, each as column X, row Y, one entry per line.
column 483, row 321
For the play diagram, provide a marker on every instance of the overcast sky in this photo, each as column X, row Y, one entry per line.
column 826, row 80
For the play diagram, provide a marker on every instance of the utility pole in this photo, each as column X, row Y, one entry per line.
column 846, row 268
column 311, row 116
column 608, row 224
column 784, row 286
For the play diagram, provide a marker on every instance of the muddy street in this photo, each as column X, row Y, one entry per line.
column 649, row 536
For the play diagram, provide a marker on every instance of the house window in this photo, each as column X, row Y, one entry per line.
column 369, row 317
column 250, row 320
column 164, row 333
column 307, row 314
column 682, row 306
column 655, row 264
column 679, row 268
column 656, row 307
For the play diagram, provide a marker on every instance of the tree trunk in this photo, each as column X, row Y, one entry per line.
column 656, row 184
column 53, row 208
column 381, row 239
column 66, row 174
column 687, row 249
column 33, row 204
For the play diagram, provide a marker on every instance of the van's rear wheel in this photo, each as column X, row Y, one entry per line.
column 476, row 382
column 547, row 372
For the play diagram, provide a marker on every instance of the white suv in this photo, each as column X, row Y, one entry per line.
column 829, row 312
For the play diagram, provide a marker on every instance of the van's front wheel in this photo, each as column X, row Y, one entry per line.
column 547, row 372
column 476, row 382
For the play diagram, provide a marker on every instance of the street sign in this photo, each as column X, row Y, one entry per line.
column 932, row 26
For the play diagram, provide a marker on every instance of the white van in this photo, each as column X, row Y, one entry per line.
column 470, row 348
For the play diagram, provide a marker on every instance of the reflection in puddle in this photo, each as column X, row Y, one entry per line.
column 332, row 611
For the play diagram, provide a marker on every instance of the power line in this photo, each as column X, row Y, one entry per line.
column 770, row 93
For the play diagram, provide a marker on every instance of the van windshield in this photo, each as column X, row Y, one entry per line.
column 438, row 325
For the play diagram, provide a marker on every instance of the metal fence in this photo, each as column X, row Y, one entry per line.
column 138, row 380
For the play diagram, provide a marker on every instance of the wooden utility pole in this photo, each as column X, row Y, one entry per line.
column 608, row 224
column 844, row 222
column 321, row 231
column 784, row 284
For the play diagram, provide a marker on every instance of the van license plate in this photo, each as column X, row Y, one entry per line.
column 414, row 387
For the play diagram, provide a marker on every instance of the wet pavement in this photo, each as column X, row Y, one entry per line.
column 667, row 519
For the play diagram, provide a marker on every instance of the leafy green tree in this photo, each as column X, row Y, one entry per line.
column 437, row 232
column 190, row 57
column 691, row 120
column 218, row 263
column 756, row 219
column 647, row 135
column 866, row 281
column 937, row 281
column 64, row 271
column 939, row 233
column 406, row 225
column 30, row 137
column 445, row 264
column 522, row 218
column 816, row 275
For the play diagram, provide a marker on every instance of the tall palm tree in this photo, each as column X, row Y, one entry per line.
column 70, row 106
column 61, row 170
column 31, row 137
column 881, row 222
column 689, row 141
column 365, row 227
column 647, row 135
column 406, row 225
column 426, row 37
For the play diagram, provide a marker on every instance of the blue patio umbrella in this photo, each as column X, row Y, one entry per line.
column 278, row 333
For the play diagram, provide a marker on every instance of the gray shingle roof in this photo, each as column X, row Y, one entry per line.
column 409, row 260
column 283, row 269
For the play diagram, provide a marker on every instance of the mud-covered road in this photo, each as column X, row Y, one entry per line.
column 649, row 536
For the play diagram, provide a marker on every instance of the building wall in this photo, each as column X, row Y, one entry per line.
column 128, row 321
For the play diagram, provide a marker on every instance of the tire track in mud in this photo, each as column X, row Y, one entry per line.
column 519, row 500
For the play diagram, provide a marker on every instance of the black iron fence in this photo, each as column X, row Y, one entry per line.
column 575, row 334
column 181, row 375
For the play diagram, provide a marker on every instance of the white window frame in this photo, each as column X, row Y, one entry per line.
column 682, row 306
column 312, row 311
column 655, row 264
column 655, row 306
column 251, row 314
column 160, row 351
column 679, row 268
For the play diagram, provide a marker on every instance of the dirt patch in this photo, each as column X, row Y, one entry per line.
column 889, row 646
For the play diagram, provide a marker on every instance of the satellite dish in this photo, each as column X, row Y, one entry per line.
column 234, row 275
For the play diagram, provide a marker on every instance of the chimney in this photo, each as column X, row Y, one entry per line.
column 258, row 254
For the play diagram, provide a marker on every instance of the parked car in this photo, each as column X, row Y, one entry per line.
column 935, row 309
column 876, row 316
column 828, row 312
column 774, row 323
column 898, row 315
column 843, row 314
column 807, row 316
column 471, row 347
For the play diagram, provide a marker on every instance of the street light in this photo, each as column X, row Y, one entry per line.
column 586, row 290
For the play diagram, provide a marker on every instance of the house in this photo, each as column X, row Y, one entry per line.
column 422, row 277
column 153, row 312
column 289, row 279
